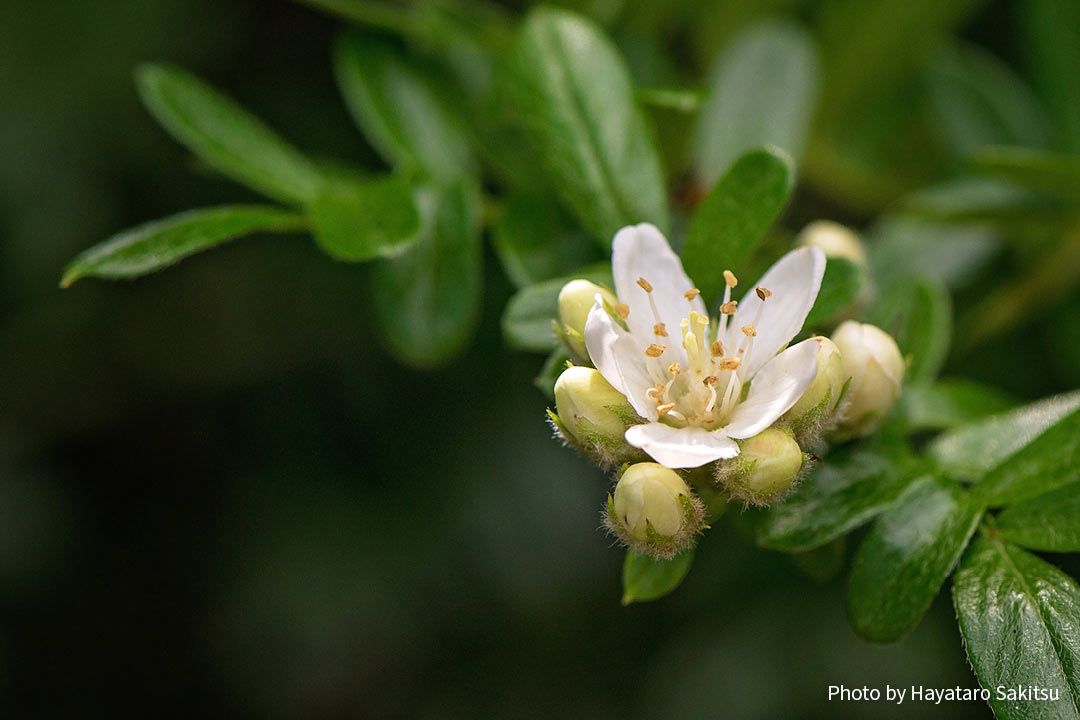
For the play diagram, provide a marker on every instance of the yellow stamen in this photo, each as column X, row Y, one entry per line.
column 748, row 330
column 717, row 348
column 623, row 310
column 674, row 369
column 659, row 330
column 763, row 293
column 665, row 408
column 728, row 308
column 732, row 363
column 730, row 279
column 644, row 284
column 691, row 294
column 655, row 350
column 711, row 380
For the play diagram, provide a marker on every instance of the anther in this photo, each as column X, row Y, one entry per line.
column 711, row 380
column 659, row 330
column 717, row 348
column 728, row 308
column 665, row 408
column 623, row 310
column 655, row 350
column 730, row 279
column 731, row 363
column 644, row 284
column 763, row 293
column 748, row 330
column 674, row 369
column 691, row 294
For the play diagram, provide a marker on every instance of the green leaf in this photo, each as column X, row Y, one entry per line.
column 734, row 216
column 986, row 200
column 1020, row 618
column 907, row 556
column 1049, row 522
column 971, row 450
column 948, row 404
column 225, row 135
column 980, row 101
column 1052, row 34
column 902, row 247
column 1057, row 173
column 361, row 221
column 575, row 99
column 1049, row 461
column 762, row 90
column 549, row 373
column 645, row 578
column 527, row 320
column 840, row 286
column 402, row 115
column 535, row 241
column 427, row 300
column 919, row 315
column 855, row 484
column 161, row 243
column 824, row 563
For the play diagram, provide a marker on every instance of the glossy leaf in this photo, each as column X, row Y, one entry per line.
column 840, row 286
column 1020, row 618
column 402, row 115
column 575, row 99
column 971, row 450
column 226, row 136
column 361, row 221
column 528, row 316
column 762, row 91
column 535, row 241
column 427, row 300
column 734, row 216
column 978, row 101
column 948, row 404
column 1049, row 522
column 1046, row 463
column 161, row 243
column 904, row 560
column 854, row 485
column 919, row 315
column 645, row 578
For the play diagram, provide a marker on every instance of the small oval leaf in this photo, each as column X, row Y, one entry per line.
column 361, row 221
column 646, row 578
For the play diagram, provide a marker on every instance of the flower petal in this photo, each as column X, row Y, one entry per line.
column 681, row 447
column 641, row 251
column 619, row 358
column 794, row 281
column 774, row 389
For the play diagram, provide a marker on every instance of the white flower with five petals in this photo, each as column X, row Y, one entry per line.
column 661, row 351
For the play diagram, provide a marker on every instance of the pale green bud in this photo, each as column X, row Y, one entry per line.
column 594, row 416
column 876, row 368
column 814, row 410
column 576, row 299
column 767, row 466
column 654, row 511
column 835, row 240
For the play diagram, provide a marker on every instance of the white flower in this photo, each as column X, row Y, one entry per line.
column 683, row 376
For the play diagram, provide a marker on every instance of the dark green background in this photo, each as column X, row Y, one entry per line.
column 219, row 496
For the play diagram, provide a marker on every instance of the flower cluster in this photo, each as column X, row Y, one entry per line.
column 717, row 403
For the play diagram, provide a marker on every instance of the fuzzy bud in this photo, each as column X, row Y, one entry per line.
column 653, row 511
column 835, row 240
column 592, row 415
column 576, row 299
column 873, row 361
column 814, row 411
column 767, row 466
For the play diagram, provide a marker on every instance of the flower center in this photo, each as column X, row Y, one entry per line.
column 707, row 390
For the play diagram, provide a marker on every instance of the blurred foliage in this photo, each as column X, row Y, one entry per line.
column 221, row 497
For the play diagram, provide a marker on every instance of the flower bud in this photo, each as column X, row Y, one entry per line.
column 592, row 415
column 653, row 511
column 576, row 299
column 873, row 361
column 767, row 466
column 815, row 409
column 835, row 240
